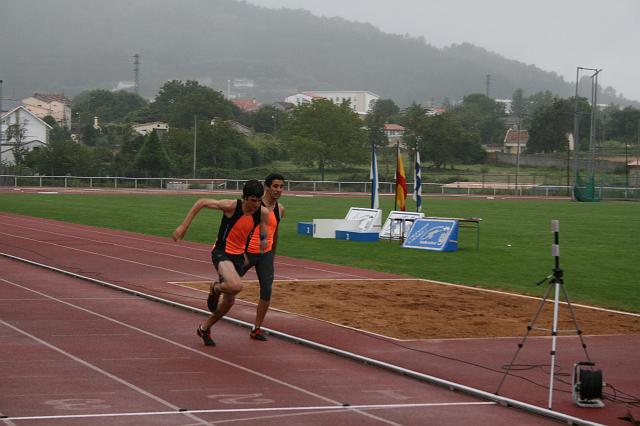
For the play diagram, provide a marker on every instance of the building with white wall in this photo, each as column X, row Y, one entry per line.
column 33, row 133
column 144, row 129
column 361, row 101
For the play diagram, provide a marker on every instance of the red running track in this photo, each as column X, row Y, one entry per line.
column 75, row 348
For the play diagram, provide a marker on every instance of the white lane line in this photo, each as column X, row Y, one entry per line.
column 259, row 410
column 91, row 366
column 90, row 335
column 106, row 256
column 116, row 244
column 487, row 290
column 180, row 345
column 163, row 358
column 277, row 262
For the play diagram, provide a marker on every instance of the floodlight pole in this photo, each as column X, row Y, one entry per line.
column 576, row 128
column 594, row 107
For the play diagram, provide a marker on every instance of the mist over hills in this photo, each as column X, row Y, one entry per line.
column 74, row 45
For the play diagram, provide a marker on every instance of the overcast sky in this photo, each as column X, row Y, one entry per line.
column 554, row 35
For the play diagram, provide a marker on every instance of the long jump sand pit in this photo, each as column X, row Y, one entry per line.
column 418, row 309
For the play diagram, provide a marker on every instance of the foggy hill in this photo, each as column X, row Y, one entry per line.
column 73, row 45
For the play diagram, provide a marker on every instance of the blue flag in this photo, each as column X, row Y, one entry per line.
column 375, row 198
column 417, row 184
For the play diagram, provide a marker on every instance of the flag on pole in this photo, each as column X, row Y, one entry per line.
column 417, row 181
column 375, row 198
column 401, row 184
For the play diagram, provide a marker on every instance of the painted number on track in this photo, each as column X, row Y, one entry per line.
column 249, row 398
column 77, row 404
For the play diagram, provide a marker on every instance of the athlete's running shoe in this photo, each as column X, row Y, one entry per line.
column 206, row 336
column 257, row 334
column 213, row 298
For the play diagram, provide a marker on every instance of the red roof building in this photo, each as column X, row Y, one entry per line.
column 515, row 141
column 247, row 105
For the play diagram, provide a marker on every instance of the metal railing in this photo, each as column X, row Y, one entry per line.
column 179, row 184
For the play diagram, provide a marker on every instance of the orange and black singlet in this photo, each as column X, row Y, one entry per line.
column 274, row 221
column 236, row 230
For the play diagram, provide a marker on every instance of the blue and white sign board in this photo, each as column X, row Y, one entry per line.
column 433, row 234
column 359, row 236
column 368, row 218
column 394, row 226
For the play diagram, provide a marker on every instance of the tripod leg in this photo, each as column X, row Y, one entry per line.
column 524, row 338
column 575, row 321
column 554, row 335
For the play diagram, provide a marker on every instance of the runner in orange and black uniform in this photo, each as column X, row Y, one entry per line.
column 239, row 220
column 263, row 260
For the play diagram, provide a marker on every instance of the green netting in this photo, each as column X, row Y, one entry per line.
column 585, row 190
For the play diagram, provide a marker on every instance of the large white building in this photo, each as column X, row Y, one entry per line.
column 32, row 131
column 360, row 101
column 144, row 129
column 57, row 106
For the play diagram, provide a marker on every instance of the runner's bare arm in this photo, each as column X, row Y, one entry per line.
column 275, row 235
column 224, row 205
column 264, row 223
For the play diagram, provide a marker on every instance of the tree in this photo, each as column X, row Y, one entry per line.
column 61, row 157
column 482, row 115
column 386, row 108
column 152, row 159
column 220, row 148
column 375, row 121
column 518, row 104
column 551, row 124
column 624, row 124
column 414, row 119
column 538, row 101
column 444, row 141
column 124, row 160
column 17, row 132
column 178, row 102
column 108, row 106
column 266, row 119
column 323, row 134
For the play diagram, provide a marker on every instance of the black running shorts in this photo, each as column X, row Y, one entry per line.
column 218, row 256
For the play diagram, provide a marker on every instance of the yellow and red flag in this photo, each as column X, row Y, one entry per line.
column 401, row 184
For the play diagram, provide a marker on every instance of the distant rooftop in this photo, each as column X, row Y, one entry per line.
column 52, row 98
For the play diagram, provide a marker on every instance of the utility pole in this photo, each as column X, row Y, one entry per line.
column 626, row 165
column 136, row 73
column 195, row 139
column 488, row 85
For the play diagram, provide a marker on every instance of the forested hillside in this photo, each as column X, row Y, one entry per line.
column 74, row 45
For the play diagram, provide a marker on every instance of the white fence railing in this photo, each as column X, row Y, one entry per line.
column 178, row 184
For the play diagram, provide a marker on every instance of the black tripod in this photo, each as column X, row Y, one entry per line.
column 555, row 281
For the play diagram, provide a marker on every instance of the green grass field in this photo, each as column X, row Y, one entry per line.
column 598, row 241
